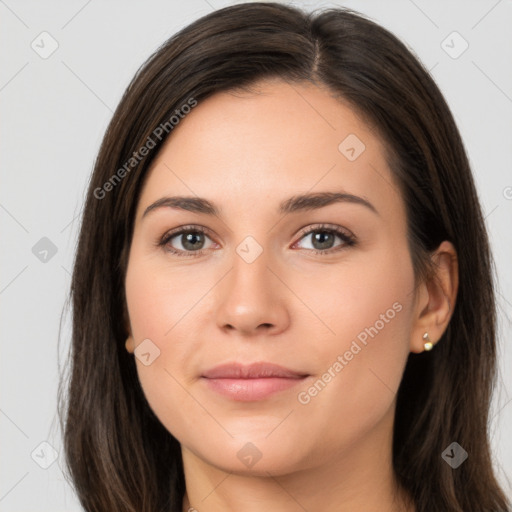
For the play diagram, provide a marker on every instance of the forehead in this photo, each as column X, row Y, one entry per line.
column 273, row 141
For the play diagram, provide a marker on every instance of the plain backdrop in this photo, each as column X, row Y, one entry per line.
column 55, row 109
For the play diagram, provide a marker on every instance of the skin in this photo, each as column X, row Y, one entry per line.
column 247, row 152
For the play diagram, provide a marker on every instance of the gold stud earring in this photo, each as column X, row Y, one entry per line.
column 428, row 345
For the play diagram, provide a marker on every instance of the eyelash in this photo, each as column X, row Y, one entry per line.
column 349, row 240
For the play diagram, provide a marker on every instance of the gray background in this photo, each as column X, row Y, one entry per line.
column 54, row 113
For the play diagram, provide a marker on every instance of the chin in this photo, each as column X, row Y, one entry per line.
column 252, row 456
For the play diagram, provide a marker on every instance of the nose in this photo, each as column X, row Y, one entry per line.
column 252, row 299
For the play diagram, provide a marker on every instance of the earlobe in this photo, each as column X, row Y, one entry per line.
column 130, row 344
column 436, row 299
column 428, row 345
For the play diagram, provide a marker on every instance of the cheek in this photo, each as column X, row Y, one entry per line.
column 158, row 308
column 357, row 390
column 370, row 311
column 367, row 297
column 159, row 299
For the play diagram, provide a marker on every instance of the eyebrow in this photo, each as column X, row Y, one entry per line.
column 298, row 203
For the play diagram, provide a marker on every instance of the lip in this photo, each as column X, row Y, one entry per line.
column 252, row 382
column 251, row 371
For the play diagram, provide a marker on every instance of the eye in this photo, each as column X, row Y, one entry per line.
column 323, row 238
column 190, row 238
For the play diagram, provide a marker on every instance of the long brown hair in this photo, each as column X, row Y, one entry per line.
column 118, row 454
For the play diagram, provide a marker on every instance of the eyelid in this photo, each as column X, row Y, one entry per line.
column 327, row 227
column 185, row 228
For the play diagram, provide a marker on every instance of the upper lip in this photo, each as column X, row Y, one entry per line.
column 252, row 371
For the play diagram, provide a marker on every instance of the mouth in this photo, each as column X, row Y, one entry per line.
column 254, row 382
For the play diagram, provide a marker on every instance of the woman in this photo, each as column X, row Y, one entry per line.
column 282, row 294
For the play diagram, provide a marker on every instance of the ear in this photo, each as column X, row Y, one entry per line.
column 435, row 298
column 130, row 344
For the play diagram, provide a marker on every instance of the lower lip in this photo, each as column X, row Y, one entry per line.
column 247, row 390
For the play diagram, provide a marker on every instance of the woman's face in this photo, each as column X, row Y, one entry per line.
column 271, row 281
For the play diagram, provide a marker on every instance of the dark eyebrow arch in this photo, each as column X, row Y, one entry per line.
column 302, row 202
column 318, row 200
